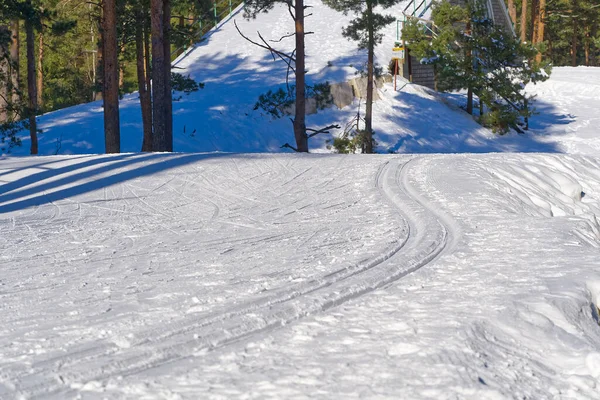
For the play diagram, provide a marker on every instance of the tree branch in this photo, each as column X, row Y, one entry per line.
column 283, row 37
column 289, row 146
column 322, row 130
column 288, row 59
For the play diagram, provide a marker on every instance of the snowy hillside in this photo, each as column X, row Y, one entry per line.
column 221, row 117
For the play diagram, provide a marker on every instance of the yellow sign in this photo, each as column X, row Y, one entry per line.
column 398, row 53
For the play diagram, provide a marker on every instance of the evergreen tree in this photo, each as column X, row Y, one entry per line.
column 365, row 30
column 296, row 10
column 470, row 52
column 112, row 135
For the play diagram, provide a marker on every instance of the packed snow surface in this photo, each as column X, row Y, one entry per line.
column 256, row 275
column 231, row 275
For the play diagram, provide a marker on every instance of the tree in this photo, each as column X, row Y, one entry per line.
column 471, row 53
column 523, row 21
column 142, row 38
column 112, row 135
column 162, row 137
column 296, row 10
column 32, row 20
column 365, row 30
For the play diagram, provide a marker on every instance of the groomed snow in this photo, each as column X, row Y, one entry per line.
column 254, row 275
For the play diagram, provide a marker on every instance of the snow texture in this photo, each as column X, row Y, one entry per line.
column 248, row 275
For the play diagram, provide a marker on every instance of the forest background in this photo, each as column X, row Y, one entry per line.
column 65, row 48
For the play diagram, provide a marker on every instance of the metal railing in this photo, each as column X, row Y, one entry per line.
column 414, row 9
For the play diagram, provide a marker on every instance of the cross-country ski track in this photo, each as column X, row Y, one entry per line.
column 132, row 268
column 423, row 234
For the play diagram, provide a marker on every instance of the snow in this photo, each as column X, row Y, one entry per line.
column 472, row 275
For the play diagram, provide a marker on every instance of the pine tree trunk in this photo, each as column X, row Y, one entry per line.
column 31, row 85
column 469, row 59
column 144, row 90
column 368, row 143
column 587, row 46
column 535, row 12
column 541, row 27
column 470, row 101
column 15, row 75
column 512, row 12
column 147, row 51
column 300, row 117
column 574, row 37
column 112, row 136
column 100, row 67
column 159, row 116
column 524, row 21
column 40, row 72
column 122, row 71
column 4, row 85
column 168, row 95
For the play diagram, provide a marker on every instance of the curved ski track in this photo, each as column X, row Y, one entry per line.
column 429, row 234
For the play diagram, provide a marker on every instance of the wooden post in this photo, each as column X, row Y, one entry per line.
column 395, row 74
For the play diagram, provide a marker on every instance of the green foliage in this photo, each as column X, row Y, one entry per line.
column 275, row 103
column 358, row 28
column 567, row 20
column 321, row 92
column 279, row 103
column 470, row 52
column 500, row 118
column 9, row 138
column 185, row 84
column 351, row 142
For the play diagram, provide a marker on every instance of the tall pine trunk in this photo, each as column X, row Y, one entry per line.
column 144, row 89
column 4, row 73
column 168, row 96
column 159, row 103
column 31, row 84
column 535, row 12
column 368, row 140
column 14, row 65
column 112, row 135
column 99, row 68
column 541, row 26
column 512, row 12
column 587, row 46
column 300, row 117
column 40, row 72
column 574, row 37
column 524, row 21
column 469, row 58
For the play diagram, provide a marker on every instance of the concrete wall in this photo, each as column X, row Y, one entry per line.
column 344, row 93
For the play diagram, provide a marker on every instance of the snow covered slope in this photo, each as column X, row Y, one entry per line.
column 221, row 116
column 215, row 275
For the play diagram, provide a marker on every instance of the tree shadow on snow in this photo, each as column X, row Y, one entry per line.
column 424, row 125
column 86, row 175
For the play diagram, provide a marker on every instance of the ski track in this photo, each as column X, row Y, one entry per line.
column 428, row 233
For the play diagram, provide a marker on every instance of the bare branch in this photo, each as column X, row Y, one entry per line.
column 286, row 58
column 289, row 146
column 290, row 8
column 283, row 37
column 322, row 130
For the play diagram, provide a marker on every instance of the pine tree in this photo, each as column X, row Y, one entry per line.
column 365, row 30
column 296, row 10
column 112, row 135
column 162, row 136
column 471, row 53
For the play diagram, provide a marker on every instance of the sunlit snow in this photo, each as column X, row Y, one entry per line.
column 270, row 275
